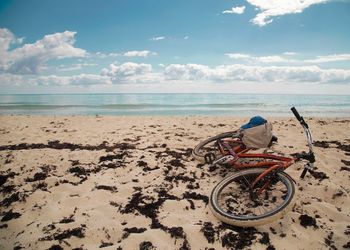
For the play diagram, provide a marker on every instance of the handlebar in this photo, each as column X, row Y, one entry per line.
column 300, row 118
column 295, row 112
column 309, row 156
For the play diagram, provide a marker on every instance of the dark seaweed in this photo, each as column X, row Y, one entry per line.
column 112, row 157
column 4, row 177
column 195, row 196
column 10, row 216
column 146, row 245
column 319, row 175
column 13, row 198
column 133, row 230
column 345, row 169
column 233, row 237
column 106, row 244
column 209, row 232
column 145, row 166
column 108, row 188
column 176, row 163
column 78, row 232
column 55, row 247
column 176, row 232
column 346, row 163
column 180, row 177
column 68, row 219
column 307, row 221
column 37, row 177
column 327, row 144
column 66, row 145
column 150, row 210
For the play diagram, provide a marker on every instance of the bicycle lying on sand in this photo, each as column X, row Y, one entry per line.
column 261, row 191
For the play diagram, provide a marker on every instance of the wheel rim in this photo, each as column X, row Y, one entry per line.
column 211, row 146
column 235, row 200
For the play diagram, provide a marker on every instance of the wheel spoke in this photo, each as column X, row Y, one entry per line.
column 239, row 200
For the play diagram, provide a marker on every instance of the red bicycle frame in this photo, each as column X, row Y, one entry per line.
column 241, row 152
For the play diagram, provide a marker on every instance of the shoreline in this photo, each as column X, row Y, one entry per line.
column 176, row 104
column 84, row 181
column 146, row 115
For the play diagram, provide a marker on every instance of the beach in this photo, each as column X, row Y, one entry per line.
column 130, row 182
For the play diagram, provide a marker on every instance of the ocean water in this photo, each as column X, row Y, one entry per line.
column 175, row 104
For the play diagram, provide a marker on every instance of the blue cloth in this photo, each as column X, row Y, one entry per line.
column 254, row 121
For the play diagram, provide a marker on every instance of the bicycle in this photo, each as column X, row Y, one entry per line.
column 260, row 192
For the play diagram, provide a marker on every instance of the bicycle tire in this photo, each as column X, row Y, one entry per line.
column 200, row 156
column 249, row 220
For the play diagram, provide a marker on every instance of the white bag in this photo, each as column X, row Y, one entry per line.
column 257, row 137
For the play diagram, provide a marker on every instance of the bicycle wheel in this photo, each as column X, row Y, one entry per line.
column 209, row 145
column 234, row 202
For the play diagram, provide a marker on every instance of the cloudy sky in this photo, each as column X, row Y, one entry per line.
column 251, row 46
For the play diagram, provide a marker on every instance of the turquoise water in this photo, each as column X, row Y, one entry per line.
column 175, row 104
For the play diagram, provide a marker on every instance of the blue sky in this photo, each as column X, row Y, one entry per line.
column 263, row 46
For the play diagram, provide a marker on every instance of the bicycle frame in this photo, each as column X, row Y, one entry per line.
column 278, row 163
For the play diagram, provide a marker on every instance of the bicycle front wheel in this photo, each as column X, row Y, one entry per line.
column 233, row 201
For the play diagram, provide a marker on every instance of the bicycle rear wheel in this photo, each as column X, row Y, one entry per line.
column 234, row 202
column 209, row 145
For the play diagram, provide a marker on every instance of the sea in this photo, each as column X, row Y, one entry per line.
column 175, row 104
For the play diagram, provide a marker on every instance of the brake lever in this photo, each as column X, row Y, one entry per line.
column 305, row 156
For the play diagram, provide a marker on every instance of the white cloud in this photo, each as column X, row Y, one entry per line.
column 7, row 79
column 139, row 53
column 287, row 58
column 186, row 72
column 53, row 80
column 32, row 58
column 272, row 59
column 238, row 56
column 6, row 38
column 235, row 10
column 130, row 72
column 244, row 73
column 261, row 59
column 272, row 8
column 139, row 73
column 157, row 38
column 289, row 53
column 82, row 79
column 330, row 58
column 77, row 66
column 186, row 37
column 105, row 55
column 127, row 69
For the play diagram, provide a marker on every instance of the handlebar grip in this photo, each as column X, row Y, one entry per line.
column 295, row 112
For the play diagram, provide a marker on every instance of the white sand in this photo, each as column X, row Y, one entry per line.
column 96, row 203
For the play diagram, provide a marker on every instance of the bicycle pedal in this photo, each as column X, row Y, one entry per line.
column 209, row 158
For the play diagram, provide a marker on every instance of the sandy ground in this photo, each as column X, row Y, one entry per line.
column 131, row 183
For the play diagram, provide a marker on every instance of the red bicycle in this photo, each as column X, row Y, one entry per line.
column 261, row 191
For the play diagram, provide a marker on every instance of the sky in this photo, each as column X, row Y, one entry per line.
column 133, row 46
